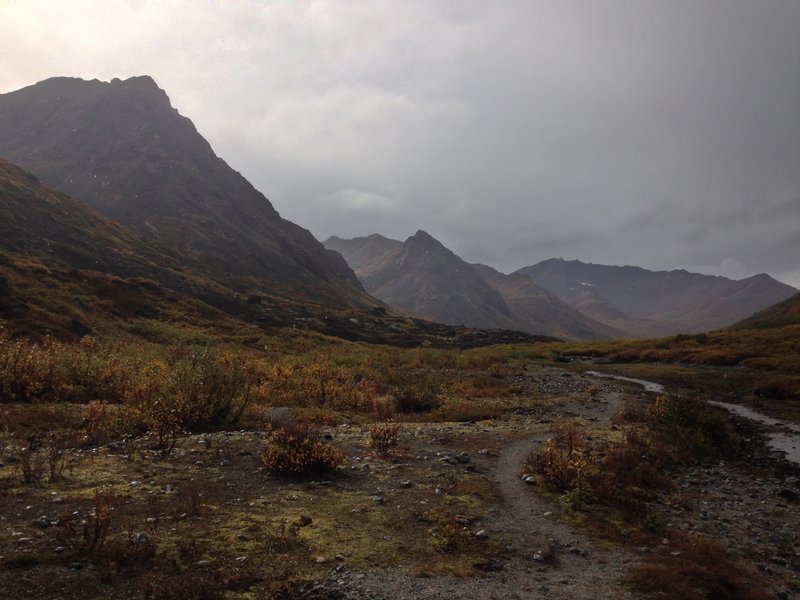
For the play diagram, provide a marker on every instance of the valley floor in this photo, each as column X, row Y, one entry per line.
column 446, row 514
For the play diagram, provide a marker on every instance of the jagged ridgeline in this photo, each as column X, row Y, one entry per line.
column 123, row 149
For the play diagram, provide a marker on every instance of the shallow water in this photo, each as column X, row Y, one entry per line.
column 786, row 441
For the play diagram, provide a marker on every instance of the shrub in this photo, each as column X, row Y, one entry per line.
column 559, row 459
column 382, row 436
column 296, row 449
column 696, row 568
column 417, row 397
column 87, row 535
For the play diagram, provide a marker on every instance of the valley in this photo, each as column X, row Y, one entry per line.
column 199, row 400
column 446, row 508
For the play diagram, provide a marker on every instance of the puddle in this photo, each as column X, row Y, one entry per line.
column 649, row 386
column 787, row 441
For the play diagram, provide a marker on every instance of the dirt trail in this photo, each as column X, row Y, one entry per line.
column 544, row 558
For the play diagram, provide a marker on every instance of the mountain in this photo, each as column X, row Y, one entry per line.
column 66, row 268
column 360, row 252
column 67, row 271
column 778, row 315
column 426, row 279
column 542, row 311
column 645, row 303
column 122, row 148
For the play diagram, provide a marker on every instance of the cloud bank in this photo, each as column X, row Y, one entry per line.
column 662, row 134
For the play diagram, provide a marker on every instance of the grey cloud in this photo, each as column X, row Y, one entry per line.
column 663, row 134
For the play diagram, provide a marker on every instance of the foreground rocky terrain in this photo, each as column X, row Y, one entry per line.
column 446, row 513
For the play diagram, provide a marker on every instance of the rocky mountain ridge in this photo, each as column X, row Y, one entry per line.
column 644, row 303
column 423, row 277
column 123, row 149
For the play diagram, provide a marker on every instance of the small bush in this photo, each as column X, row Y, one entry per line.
column 559, row 458
column 296, row 449
column 87, row 535
column 696, row 568
column 417, row 397
column 382, row 436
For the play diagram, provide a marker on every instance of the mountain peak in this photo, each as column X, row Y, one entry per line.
column 120, row 147
column 423, row 238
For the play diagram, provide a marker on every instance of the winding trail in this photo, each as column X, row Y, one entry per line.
column 544, row 558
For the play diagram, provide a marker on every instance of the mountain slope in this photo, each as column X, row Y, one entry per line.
column 540, row 310
column 122, row 148
column 360, row 252
column 778, row 315
column 652, row 303
column 64, row 267
column 426, row 279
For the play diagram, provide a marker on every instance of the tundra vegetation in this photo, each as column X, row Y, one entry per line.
column 206, row 467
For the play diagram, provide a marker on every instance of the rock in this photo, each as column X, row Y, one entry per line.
column 530, row 480
column 788, row 494
column 377, row 500
column 405, row 483
column 42, row 522
column 139, row 538
column 305, row 520
column 482, row 534
column 462, row 458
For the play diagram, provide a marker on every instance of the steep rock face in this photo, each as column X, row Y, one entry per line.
column 122, row 148
column 426, row 279
column 647, row 303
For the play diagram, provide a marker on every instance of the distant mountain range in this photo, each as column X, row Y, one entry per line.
column 124, row 219
column 568, row 299
column 426, row 279
column 145, row 209
column 644, row 303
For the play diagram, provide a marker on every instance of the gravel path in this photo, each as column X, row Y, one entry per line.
column 544, row 558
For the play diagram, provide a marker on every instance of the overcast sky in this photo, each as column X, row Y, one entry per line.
column 663, row 134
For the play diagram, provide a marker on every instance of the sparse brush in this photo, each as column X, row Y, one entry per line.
column 420, row 396
column 382, row 436
column 57, row 443
column 88, row 535
column 31, row 464
column 297, row 449
column 556, row 461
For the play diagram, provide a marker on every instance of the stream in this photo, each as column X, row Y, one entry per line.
column 785, row 441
